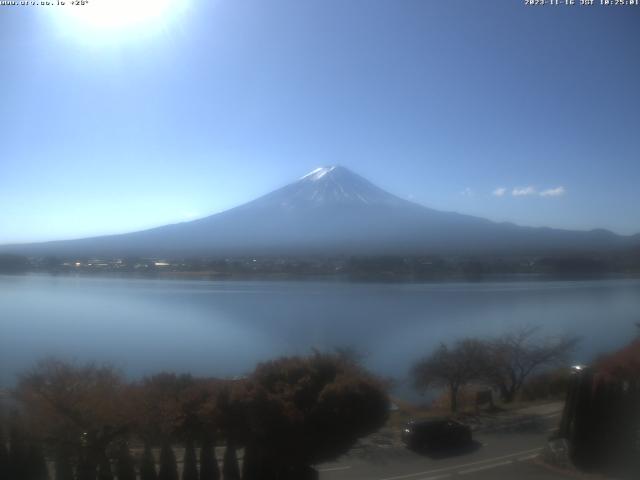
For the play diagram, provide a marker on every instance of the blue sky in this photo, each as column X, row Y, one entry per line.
column 213, row 103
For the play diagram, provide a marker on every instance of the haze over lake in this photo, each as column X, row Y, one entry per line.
column 223, row 328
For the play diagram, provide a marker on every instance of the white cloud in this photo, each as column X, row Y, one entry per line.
column 467, row 192
column 553, row 192
column 499, row 192
column 523, row 191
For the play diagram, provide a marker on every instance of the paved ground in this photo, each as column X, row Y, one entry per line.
column 507, row 447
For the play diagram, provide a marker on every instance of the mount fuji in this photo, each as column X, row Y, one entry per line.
column 332, row 211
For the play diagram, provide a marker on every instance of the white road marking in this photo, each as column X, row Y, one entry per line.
column 528, row 457
column 438, row 477
column 453, row 467
column 334, row 469
column 484, row 467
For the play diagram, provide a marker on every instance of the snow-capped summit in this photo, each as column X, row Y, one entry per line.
column 319, row 172
column 330, row 211
column 330, row 185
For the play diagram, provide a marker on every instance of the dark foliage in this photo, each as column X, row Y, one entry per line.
column 251, row 465
column 209, row 469
column 513, row 357
column 82, row 406
column 4, row 458
column 36, row 464
column 622, row 365
column 148, row 465
column 230, row 411
column 306, row 410
column 601, row 418
column 295, row 412
column 505, row 362
column 62, row 465
column 190, row 466
column 13, row 263
column 571, row 265
column 230, row 468
column 550, row 385
column 168, row 466
column 158, row 404
column 18, row 454
column 87, row 467
column 451, row 368
column 125, row 467
column 104, row 469
column 167, row 405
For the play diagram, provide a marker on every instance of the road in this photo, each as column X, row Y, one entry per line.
column 509, row 452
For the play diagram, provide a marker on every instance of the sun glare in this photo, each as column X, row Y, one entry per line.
column 112, row 18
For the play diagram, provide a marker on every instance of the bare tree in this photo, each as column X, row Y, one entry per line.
column 451, row 367
column 169, row 406
column 78, row 408
column 69, row 401
column 514, row 356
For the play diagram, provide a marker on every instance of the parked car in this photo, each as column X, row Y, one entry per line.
column 436, row 434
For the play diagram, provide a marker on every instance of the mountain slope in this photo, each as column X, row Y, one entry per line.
column 332, row 211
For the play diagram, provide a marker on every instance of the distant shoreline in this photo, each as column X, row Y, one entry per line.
column 337, row 278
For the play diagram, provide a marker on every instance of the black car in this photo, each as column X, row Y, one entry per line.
column 436, row 434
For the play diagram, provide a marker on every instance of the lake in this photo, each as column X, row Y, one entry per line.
column 223, row 328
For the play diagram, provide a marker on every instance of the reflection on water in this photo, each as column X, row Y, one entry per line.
column 223, row 328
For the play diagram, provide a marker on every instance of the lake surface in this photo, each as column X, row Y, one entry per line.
column 224, row 327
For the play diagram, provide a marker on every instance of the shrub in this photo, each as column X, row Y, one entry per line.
column 307, row 410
